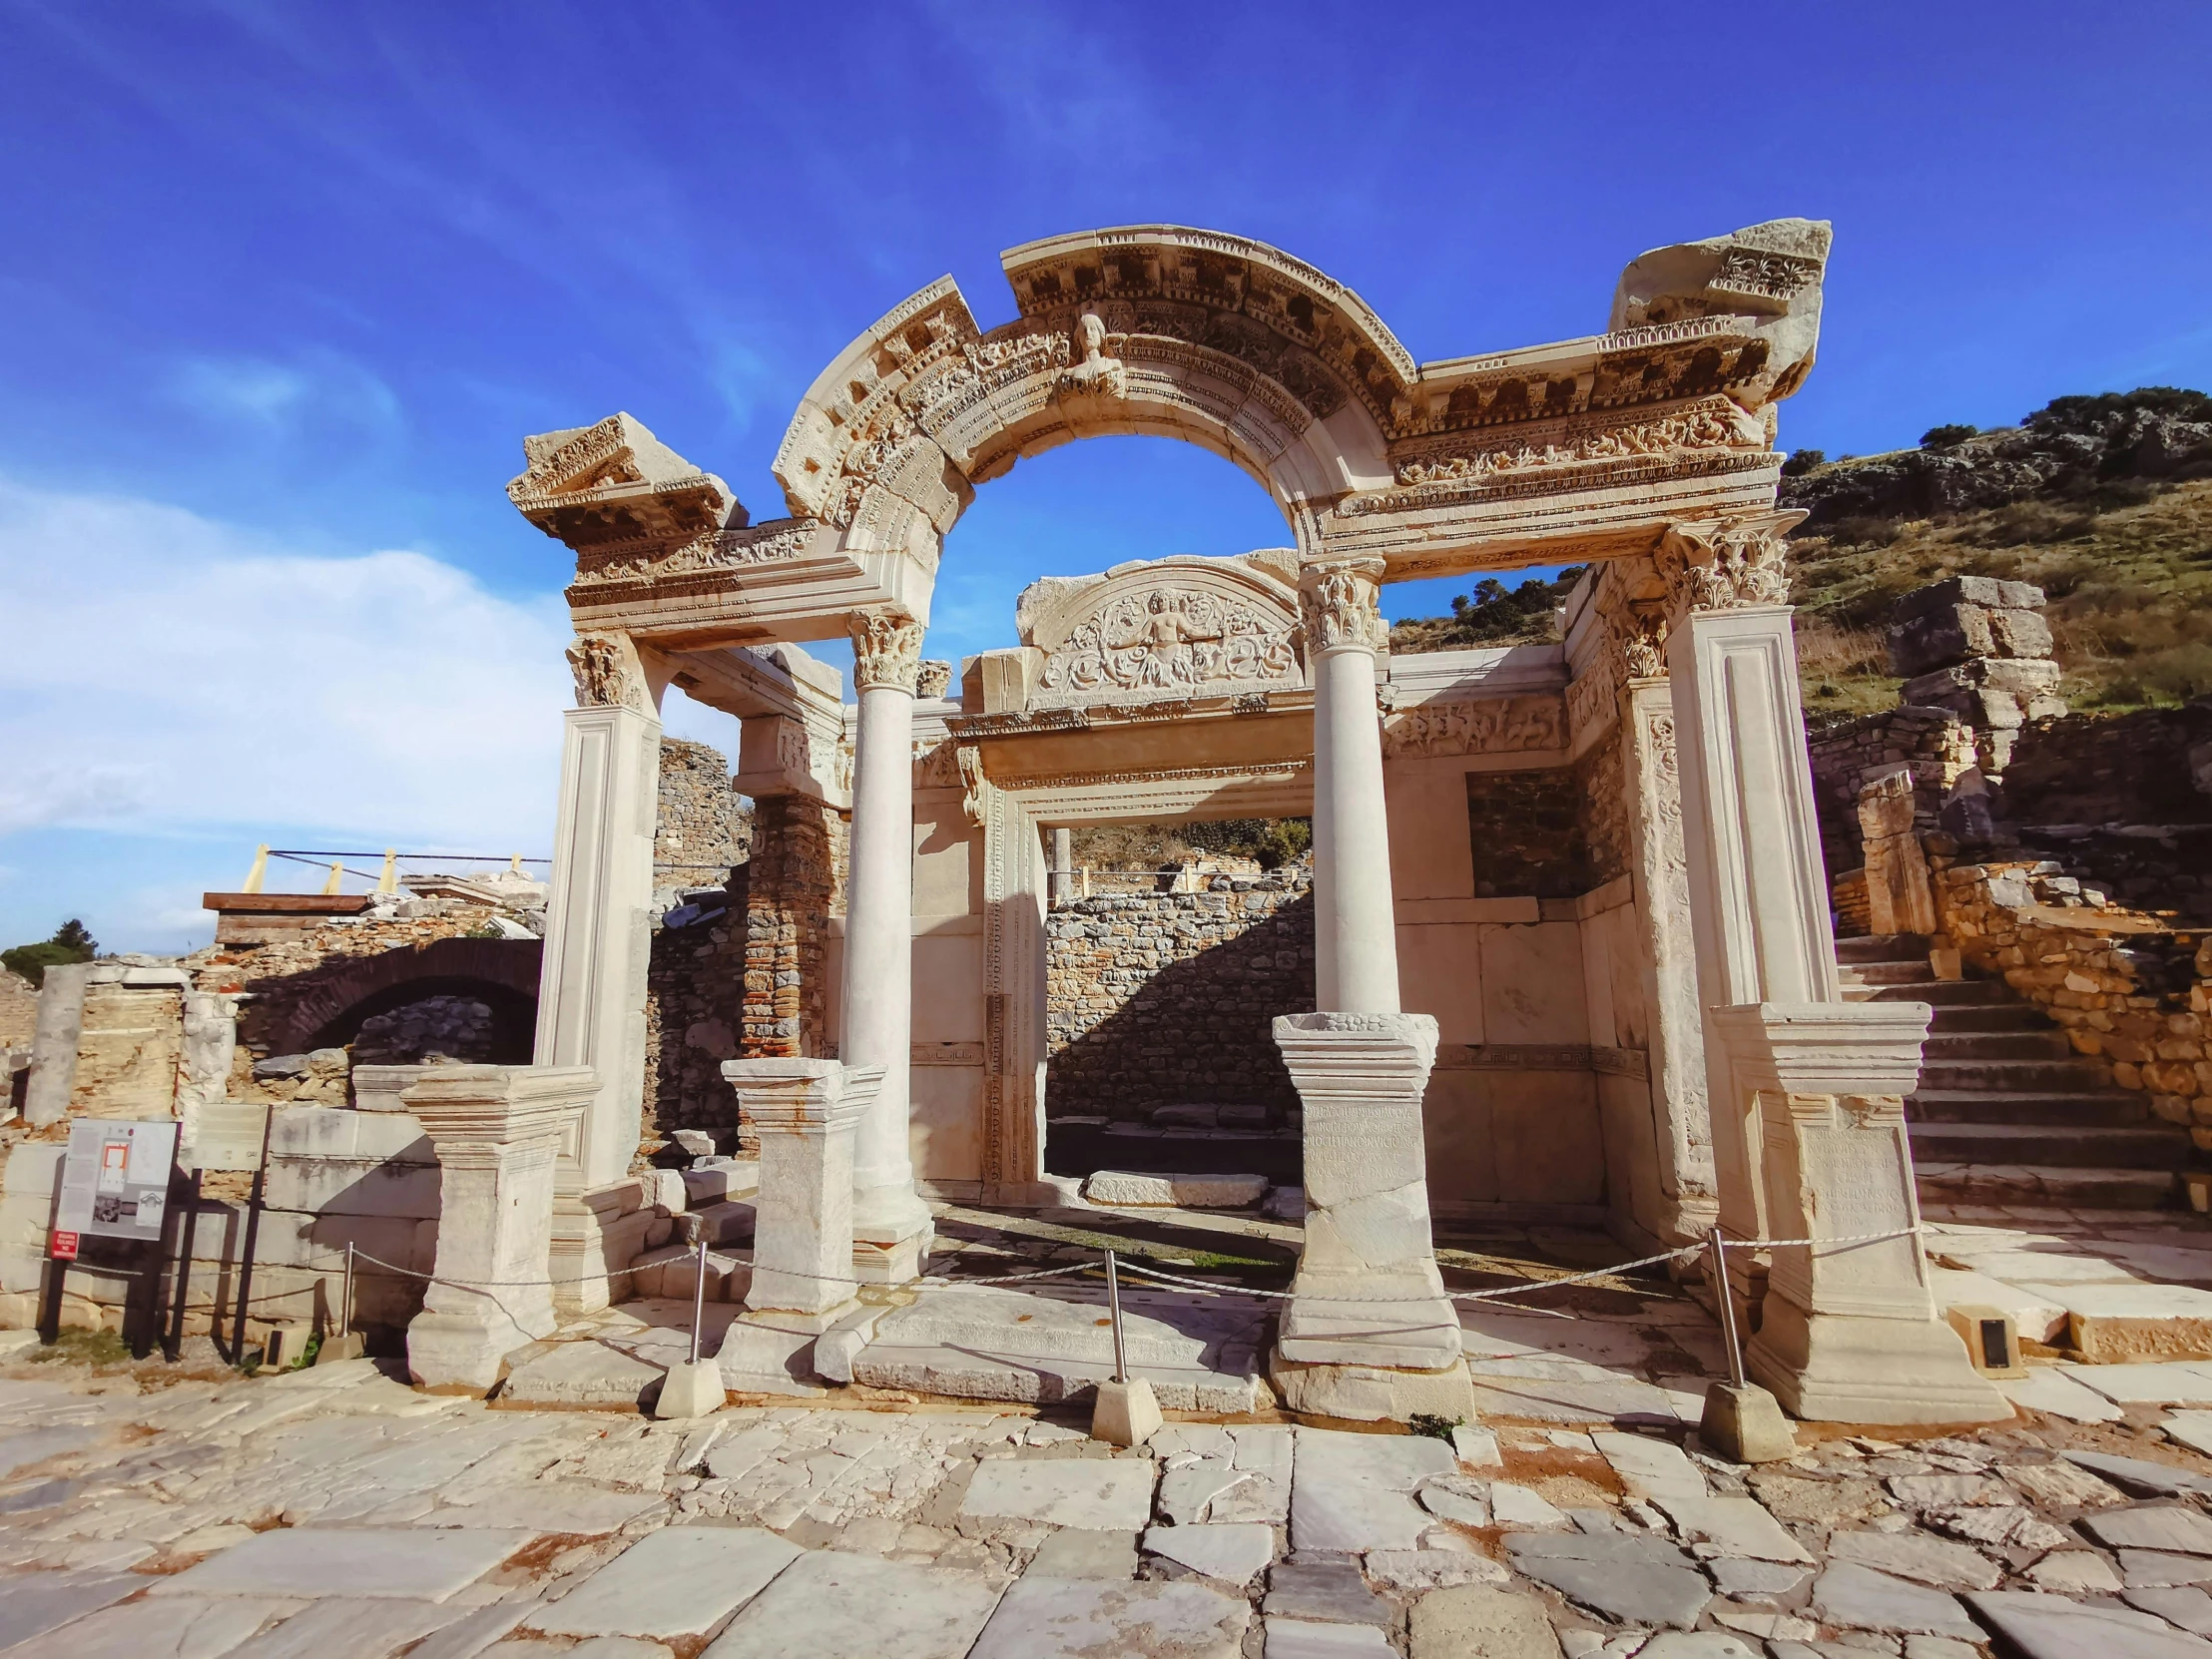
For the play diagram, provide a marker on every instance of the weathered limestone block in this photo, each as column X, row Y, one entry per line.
column 497, row 1130
column 1966, row 616
column 61, row 1019
column 1899, row 898
column 1369, row 1331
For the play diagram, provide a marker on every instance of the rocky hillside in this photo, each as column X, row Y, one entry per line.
column 2104, row 502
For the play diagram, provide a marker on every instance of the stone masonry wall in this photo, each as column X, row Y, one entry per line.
column 796, row 882
column 1159, row 999
column 1932, row 740
column 695, row 995
column 1526, row 831
column 703, row 829
column 2129, row 989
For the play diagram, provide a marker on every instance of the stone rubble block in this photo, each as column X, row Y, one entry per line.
column 1135, row 1189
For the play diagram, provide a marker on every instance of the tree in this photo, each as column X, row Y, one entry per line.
column 1943, row 437
column 1802, row 461
column 71, row 943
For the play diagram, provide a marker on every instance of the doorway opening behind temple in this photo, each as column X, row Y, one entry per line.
column 1170, row 949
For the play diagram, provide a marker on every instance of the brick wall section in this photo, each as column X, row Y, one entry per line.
column 1157, row 999
column 2127, row 989
column 796, row 882
column 1604, row 783
column 703, row 828
column 1526, row 829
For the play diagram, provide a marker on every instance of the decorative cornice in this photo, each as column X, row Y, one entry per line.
column 1340, row 601
column 887, row 650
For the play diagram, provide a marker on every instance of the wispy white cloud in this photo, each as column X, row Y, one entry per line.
column 319, row 388
column 166, row 674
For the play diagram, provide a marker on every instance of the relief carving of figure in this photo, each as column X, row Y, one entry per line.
column 605, row 667
column 1176, row 639
column 1170, row 643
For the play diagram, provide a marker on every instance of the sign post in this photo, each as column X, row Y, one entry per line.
column 116, row 1180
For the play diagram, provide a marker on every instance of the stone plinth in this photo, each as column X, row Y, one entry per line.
column 61, row 1019
column 1368, row 1332
column 806, row 1112
column 1848, row 1332
column 498, row 1131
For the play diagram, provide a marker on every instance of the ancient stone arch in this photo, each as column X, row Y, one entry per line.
column 326, row 1006
column 1648, row 448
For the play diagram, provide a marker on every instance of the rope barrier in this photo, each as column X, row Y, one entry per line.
column 1129, row 1266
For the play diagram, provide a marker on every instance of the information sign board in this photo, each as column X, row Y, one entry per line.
column 114, row 1181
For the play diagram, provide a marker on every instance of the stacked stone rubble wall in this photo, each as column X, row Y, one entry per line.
column 2129, row 989
column 1157, row 999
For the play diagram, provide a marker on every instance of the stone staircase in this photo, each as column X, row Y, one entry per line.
column 2007, row 1113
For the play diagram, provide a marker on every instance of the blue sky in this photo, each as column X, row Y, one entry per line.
column 286, row 285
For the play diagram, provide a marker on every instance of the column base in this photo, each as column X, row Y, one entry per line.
column 1410, row 1333
column 1372, row 1394
column 465, row 1353
column 892, row 1235
column 1859, row 1369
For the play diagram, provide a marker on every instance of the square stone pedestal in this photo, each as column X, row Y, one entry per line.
column 498, row 1131
column 1848, row 1332
column 806, row 1112
column 1368, row 1332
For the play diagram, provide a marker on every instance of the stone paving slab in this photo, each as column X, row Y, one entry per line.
column 1735, row 1526
column 1103, row 1494
column 1300, row 1639
column 2147, row 1383
column 678, row 1581
column 1481, row 1623
column 348, row 1627
column 311, row 1561
column 175, row 1627
column 1233, row 1552
column 581, row 1373
column 1870, row 1601
column 832, row 1605
column 2051, row 1627
column 1631, row 1578
column 1069, row 1619
column 2048, row 1388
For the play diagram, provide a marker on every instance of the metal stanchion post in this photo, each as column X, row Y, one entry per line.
column 1113, row 1309
column 345, row 1295
column 699, row 1300
column 1727, row 1301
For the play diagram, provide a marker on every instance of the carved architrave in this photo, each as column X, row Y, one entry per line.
column 887, row 650
column 1341, row 606
column 1145, row 639
column 607, row 674
column 1727, row 566
column 1592, row 704
column 1486, row 726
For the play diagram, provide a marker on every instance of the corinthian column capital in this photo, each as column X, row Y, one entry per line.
column 1340, row 602
column 887, row 650
column 1727, row 565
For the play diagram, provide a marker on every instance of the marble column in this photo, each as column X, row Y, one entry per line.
column 1063, row 865
column 806, row 1112
column 1355, row 925
column 892, row 1229
column 591, row 986
column 498, row 1131
column 1368, row 1332
column 1806, row 1089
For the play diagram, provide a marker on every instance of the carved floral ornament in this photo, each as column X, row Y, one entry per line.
column 887, row 650
column 1173, row 639
column 1727, row 566
column 1342, row 608
column 607, row 672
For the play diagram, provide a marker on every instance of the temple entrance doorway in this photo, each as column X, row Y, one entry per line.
column 1170, row 947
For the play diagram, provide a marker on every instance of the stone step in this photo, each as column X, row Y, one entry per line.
column 2038, row 1076
column 2045, row 1186
column 2089, row 1109
column 1946, row 993
column 1949, row 1047
column 2161, row 1147
column 1150, row 1188
column 1882, row 948
column 1991, row 1016
column 1080, row 1147
column 1908, row 972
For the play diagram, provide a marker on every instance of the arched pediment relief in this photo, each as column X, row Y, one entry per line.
column 1167, row 628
